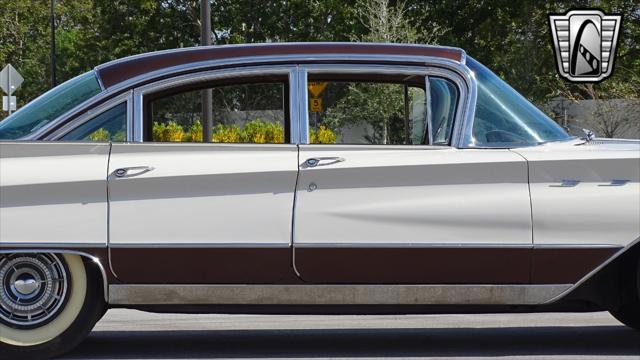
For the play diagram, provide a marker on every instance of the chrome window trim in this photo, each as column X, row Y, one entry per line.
column 290, row 60
column 212, row 75
column 427, row 98
column 54, row 250
column 93, row 112
column 464, row 84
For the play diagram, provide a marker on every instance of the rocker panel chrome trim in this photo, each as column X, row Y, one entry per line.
column 334, row 294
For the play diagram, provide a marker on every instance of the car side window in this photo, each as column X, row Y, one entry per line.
column 110, row 125
column 254, row 112
column 444, row 100
column 379, row 109
column 358, row 110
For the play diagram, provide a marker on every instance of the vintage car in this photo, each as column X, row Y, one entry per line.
column 304, row 178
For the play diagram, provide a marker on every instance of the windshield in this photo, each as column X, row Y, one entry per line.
column 49, row 106
column 504, row 118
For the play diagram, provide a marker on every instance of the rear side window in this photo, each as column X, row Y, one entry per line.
column 254, row 112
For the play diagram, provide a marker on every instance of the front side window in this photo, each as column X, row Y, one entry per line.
column 110, row 125
column 49, row 106
column 504, row 118
column 356, row 110
column 254, row 112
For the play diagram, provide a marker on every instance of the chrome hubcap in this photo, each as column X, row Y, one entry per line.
column 33, row 288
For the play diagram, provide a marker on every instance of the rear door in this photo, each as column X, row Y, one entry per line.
column 381, row 200
column 187, row 211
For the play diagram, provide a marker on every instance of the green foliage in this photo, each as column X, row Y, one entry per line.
column 324, row 135
column 168, row 132
column 194, row 134
column 256, row 131
column 226, row 134
column 100, row 135
column 103, row 134
column 259, row 131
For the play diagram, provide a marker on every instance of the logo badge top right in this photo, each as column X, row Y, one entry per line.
column 585, row 44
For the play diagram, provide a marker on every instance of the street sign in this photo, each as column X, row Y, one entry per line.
column 315, row 104
column 316, row 88
column 8, row 104
column 10, row 79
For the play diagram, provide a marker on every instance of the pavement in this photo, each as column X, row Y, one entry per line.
column 129, row 334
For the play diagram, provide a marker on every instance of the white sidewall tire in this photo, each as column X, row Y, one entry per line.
column 53, row 329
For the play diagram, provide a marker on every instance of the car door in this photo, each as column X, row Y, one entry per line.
column 379, row 200
column 187, row 211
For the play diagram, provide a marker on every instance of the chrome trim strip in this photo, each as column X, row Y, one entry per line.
column 294, row 107
column 594, row 271
column 92, row 113
column 462, row 69
column 462, row 130
column 428, row 112
column 105, row 282
column 453, row 245
column 169, row 294
column 303, row 114
column 5, row 244
column 199, row 246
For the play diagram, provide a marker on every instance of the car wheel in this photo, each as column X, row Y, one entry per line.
column 48, row 304
column 629, row 313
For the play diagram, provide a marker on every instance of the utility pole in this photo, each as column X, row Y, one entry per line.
column 53, row 44
column 207, row 94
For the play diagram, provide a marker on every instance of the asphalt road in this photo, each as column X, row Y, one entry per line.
column 126, row 334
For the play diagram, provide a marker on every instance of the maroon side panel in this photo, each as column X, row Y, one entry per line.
column 567, row 265
column 413, row 265
column 129, row 68
column 201, row 265
column 449, row 265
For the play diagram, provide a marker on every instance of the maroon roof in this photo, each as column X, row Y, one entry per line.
column 120, row 70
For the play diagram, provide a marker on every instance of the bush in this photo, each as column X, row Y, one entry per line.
column 100, row 135
column 324, row 135
column 169, row 132
column 195, row 133
column 256, row 131
column 226, row 134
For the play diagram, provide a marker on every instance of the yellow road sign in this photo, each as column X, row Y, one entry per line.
column 316, row 88
column 315, row 104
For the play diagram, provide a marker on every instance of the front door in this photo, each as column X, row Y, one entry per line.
column 187, row 211
column 376, row 203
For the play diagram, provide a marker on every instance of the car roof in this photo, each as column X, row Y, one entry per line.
column 121, row 70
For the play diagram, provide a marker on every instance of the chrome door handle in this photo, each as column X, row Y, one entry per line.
column 132, row 171
column 323, row 161
column 616, row 182
column 567, row 183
